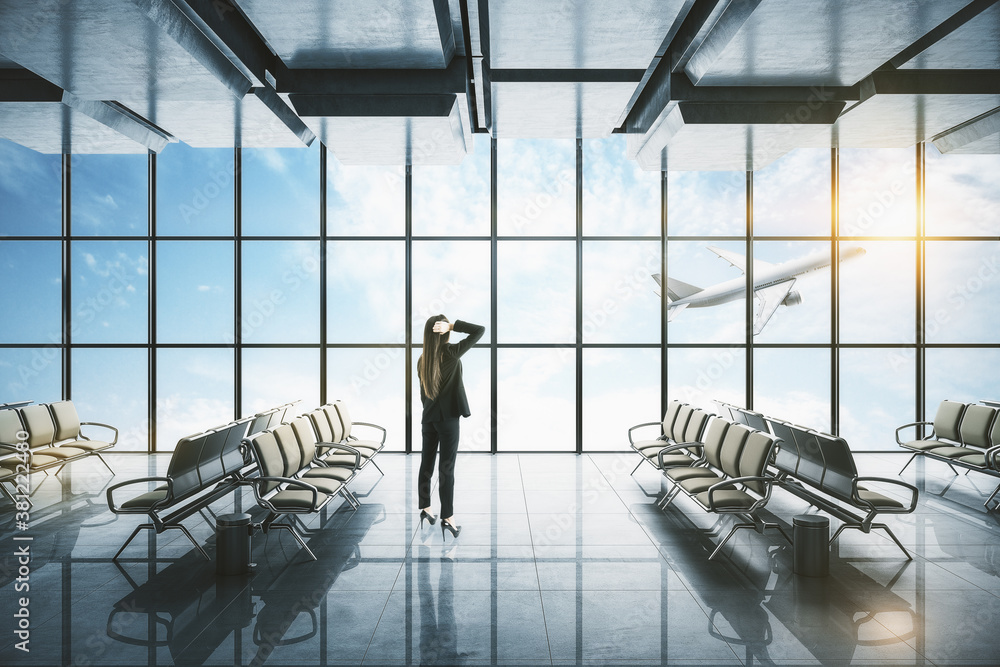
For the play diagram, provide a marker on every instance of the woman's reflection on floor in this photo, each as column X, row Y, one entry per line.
column 438, row 632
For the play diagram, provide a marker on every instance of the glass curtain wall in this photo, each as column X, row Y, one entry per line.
column 171, row 293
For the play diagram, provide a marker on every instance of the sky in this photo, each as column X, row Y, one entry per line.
column 195, row 285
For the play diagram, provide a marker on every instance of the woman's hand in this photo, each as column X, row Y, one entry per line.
column 442, row 327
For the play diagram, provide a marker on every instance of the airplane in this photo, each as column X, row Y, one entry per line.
column 772, row 284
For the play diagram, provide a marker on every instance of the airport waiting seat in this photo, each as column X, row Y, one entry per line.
column 285, row 486
column 820, row 468
column 946, row 431
column 47, row 436
column 972, row 443
column 681, row 423
column 203, row 468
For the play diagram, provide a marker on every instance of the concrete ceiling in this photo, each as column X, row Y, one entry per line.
column 694, row 84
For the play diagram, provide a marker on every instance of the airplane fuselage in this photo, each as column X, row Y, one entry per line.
column 732, row 290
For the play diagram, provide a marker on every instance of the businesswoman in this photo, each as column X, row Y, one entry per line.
column 443, row 394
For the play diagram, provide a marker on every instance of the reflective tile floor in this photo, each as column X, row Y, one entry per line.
column 562, row 560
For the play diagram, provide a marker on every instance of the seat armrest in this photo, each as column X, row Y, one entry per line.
column 900, row 442
column 734, row 481
column 107, row 426
column 644, row 424
column 291, row 482
column 340, row 445
column 141, row 480
column 680, row 445
column 369, row 424
column 883, row 480
column 993, row 458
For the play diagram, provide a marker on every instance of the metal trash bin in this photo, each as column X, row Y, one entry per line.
column 232, row 544
column 811, row 540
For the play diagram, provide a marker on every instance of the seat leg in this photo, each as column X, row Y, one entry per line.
column 141, row 526
column 952, row 468
column 908, row 462
column 295, row 534
column 12, row 499
column 98, row 454
column 636, row 468
column 372, row 461
column 884, row 527
column 990, row 499
column 731, row 533
column 185, row 531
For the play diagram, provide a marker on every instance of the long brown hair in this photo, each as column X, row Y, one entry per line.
column 429, row 363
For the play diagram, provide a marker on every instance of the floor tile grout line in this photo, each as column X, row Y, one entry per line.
column 538, row 578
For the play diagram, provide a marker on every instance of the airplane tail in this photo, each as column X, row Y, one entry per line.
column 678, row 290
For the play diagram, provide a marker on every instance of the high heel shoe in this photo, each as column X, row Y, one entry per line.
column 431, row 519
column 454, row 530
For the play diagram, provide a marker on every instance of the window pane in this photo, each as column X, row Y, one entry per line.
column 794, row 385
column 877, row 293
column 103, row 394
column 110, row 292
column 476, row 429
column 706, row 203
column 32, row 308
column 194, row 391
column 962, row 195
column 536, row 187
column 31, row 192
column 194, row 283
column 194, row 191
column 450, row 277
column 536, row 291
column 273, row 377
column 280, row 292
column 621, row 388
column 619, row 304
column 454, row 200
column 281, row 191
column 365, row 201
column 536, row 405
column 693, row 263
column 878, row 192
column 876, row 396
column 963, row 289
column 366, row 292
column 110, row 195
column 975, row 379
column 791, row 196
column 701, row 376
column 30, row 374
column 807, row 319
column 619, row 198
column 372, row 382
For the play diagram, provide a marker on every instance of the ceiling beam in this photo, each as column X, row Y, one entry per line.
column 175, row 23
column 121, row 120
column 957, row 20
column 375, row 81
column 986, row 125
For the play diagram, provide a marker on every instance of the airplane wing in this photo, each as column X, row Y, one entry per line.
column 734, row 259
column 769, row 299
column 738, row 260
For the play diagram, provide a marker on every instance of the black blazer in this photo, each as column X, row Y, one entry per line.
column 451, row 401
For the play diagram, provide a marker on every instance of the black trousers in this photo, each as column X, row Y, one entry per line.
column 444, row 435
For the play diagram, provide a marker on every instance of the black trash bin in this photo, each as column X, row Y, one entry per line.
column 232, row 543
column 811, row 537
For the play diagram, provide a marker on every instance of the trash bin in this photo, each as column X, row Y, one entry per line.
column 232, row 544
column 811, row 537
